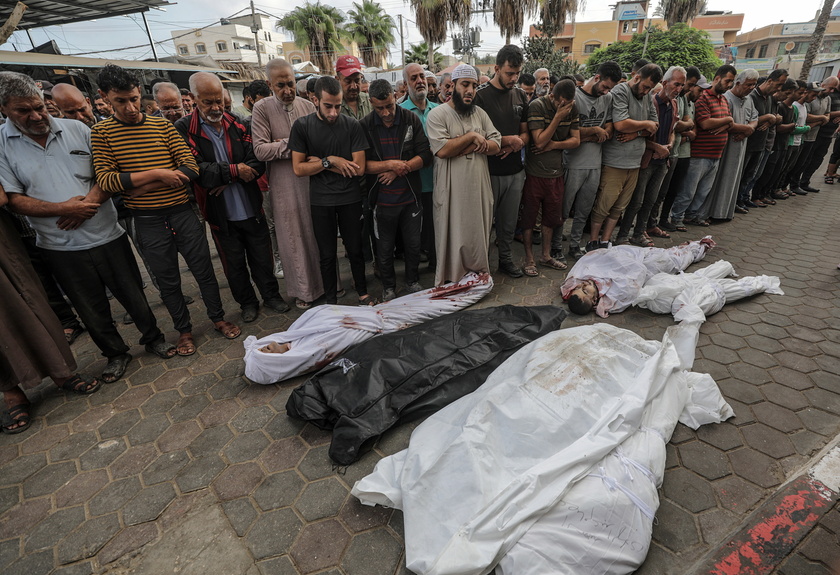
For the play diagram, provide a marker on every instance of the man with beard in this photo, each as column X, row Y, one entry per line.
column 714, row 120
column 229, row 197
column 815, row 143
column 634, row 119
column 431, row 86
column 756, row 155
column 103, row 108
column 271, row 125
column 168, row 98
column 658, row 150
column 583, row 164
column 543, row 82
column 720, row 203
column 461, row 135
column 420, row 102
column 146, row 160
column 765, row 191
column 507, row 107
column 348, row 72
column 329, row 147
column 76, row 225
column 73, row 104
column 446, row 86
column 527, row 83
column 398, row 150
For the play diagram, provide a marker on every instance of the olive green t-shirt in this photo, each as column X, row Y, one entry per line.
column 540, row 113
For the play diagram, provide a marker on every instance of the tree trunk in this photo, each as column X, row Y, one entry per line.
column 816, row 39
column 12, row 22
column 431, row 56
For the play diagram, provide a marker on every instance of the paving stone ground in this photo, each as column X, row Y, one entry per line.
column 183, row 466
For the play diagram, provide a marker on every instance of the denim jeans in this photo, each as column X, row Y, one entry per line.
column 696, row 186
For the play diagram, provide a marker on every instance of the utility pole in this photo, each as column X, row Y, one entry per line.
column 255, row 29
column 402, row 42
column 149, row 34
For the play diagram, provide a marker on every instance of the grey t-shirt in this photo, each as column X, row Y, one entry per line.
column 819, row 107
column 593, row 112
column 625, row 106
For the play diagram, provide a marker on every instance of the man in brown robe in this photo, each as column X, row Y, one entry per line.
column 32, row 343
column 271, row 123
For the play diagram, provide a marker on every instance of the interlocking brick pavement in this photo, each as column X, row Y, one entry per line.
column 183, row 465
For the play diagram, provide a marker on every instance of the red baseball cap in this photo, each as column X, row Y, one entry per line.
column 348, row 65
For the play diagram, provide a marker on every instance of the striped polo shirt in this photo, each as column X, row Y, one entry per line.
column 122, row 149
column 708, row 145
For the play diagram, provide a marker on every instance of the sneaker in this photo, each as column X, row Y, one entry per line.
column 511, row 269
column 667, row 226
column 278, row 269
column 809, row 189
column 750, row 204
column 388, row 294
column 277, row 304
column 741, row 210
column 575, row 252
column 798, row 191
column 413, row 287
column 604, row 245
column 592, row 246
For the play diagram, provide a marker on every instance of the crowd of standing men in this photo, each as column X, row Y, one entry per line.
column 425, row 174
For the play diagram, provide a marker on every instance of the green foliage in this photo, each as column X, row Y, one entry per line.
column 372, row 29
column 318, row 28
column 679, row 46
column 540, row 53
column 419, row 54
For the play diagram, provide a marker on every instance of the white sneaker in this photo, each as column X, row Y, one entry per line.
column 278, row 269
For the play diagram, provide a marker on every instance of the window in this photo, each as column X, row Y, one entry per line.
column 183, row 50
column 200, row 48
column 262, row 48
column 762, row 52
column 279, row 50
column 267, row 36
column 221, row 46
column 630, row 26
column 750, row 53
column 799, row 48
column 590, row 48
column 296, row 60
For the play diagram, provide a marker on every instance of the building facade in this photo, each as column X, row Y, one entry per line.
column 233, row 40
column 784, row 46
column 581, row 39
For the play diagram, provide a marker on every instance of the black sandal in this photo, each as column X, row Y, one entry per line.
column 115, row 368
column 81, row 384
column 367, row 300
column 162, row 349
column 16, row 415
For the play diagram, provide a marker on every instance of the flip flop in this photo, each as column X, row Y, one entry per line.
column 367, row 300
column 185, row 345
column 162, row 349
column 115, row 368
column 16, row 415
column 227, row 329
column 76, row 383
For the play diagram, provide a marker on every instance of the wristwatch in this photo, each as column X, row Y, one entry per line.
column 326, row 163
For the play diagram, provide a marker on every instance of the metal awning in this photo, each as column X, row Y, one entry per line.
column 57, row 12
column 10, row 58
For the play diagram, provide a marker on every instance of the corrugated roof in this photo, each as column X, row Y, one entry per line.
column 60, row 61
column 57, row 12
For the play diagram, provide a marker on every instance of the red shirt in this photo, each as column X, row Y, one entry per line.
column 708, row 145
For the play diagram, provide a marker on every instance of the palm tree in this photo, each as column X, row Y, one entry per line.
column 318, row 28
column 419, row 54
column 435, row 16
column 816, row 39
column 372, row 29
column 555, row 13
column 509, row 15
column 674, row 11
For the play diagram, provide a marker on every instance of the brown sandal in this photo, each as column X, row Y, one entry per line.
column 185, row 345
column 227, row 329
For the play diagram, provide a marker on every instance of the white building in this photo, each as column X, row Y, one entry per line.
column 231, row 41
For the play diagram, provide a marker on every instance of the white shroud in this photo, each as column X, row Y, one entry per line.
column 322, row 333
column 535, row 470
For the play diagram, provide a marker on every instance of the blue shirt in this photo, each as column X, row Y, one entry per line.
column 236, row 201
column 427, row 175
column 56, row 172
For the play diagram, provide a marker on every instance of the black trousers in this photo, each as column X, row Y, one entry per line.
column 427, row 235
column 794, row 175
column 326, row 221
column 163, row 236
column 389, row 222
column 247, row 244
column 766, row 182
column 818, row 152
column 674, row 185
column 85, row 274
column 55, row 297
column 752, row 163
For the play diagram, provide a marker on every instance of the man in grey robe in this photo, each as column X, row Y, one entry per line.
column 720, row 203
column 461, row 136
column 271, row 124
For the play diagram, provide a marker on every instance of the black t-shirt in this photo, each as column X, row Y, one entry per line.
column 507, row 109
column 312, row 136
column 827, row 130
column 763, row 105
